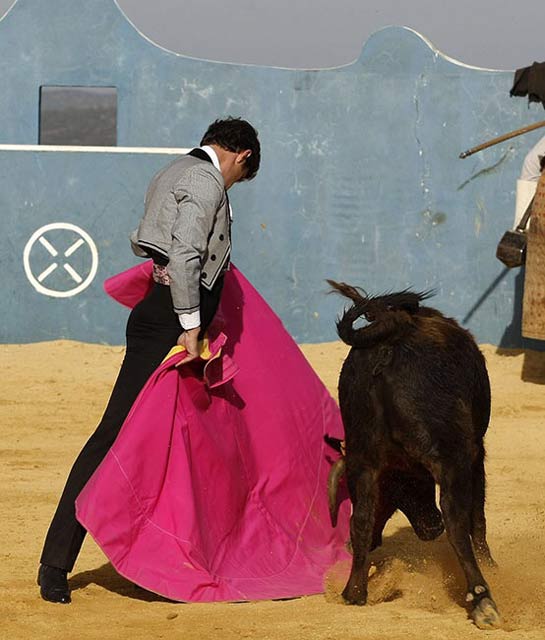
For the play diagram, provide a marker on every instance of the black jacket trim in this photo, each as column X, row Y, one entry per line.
column 143, row 243
column 189, row 310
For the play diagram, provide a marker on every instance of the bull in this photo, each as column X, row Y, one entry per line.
column 414, row 395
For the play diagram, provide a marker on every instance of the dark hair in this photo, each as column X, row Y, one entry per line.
column 235, row 134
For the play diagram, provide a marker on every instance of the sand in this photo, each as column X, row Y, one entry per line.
column 51, row 398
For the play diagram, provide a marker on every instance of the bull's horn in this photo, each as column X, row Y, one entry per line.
column 336, row 473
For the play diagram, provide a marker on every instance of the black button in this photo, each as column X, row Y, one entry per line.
column 212, row 257
column 204, row 275
column 222, row 237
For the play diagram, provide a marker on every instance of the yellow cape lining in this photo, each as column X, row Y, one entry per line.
column 204, row 350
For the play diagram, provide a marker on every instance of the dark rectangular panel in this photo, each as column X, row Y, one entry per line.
column 85, row 116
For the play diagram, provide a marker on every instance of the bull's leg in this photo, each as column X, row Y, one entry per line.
column 478, row 530
column 386, row 505
column 456, row 505
column 363, row 488
column 384, row 511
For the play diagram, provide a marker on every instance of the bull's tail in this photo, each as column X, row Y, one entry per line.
column 390, row 312
column 357, row 295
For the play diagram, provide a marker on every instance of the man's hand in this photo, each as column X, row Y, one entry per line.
column 189, row 339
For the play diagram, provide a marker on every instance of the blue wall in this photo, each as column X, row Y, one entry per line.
column 360, row 177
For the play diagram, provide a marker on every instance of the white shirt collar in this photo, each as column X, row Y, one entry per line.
column 213, row 156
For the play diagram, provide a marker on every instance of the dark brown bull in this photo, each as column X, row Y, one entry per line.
column 415, row 401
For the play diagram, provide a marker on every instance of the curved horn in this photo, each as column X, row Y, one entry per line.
column 335, row 474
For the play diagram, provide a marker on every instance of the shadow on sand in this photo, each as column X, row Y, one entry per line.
column 512, row 343
column 108, row 578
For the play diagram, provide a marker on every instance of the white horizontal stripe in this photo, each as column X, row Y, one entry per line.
column 74, row 149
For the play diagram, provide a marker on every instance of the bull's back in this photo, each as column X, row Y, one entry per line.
column 427, row 383
column 438, row 381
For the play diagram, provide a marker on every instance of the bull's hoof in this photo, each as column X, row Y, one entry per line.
column 485, row 615
column 354, row 596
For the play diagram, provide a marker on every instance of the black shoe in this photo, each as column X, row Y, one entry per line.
column 53, row 584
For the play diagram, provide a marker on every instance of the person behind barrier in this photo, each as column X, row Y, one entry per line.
column 529, row 177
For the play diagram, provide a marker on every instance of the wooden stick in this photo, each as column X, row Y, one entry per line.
column 506, row 136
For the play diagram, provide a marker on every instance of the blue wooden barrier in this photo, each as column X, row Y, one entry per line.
column 360, row 177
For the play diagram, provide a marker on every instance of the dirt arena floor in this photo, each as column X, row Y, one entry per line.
column 51, row 397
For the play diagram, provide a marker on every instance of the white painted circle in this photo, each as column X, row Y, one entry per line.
column 40, row 288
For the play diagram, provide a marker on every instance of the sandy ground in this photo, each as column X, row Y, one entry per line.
column 51, row 397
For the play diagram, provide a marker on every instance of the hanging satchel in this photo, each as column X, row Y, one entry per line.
column 511, row 248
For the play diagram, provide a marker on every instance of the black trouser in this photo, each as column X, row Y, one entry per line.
column 152, row 330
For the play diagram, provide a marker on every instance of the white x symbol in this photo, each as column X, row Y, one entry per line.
column 81, row 283
column 75, row 275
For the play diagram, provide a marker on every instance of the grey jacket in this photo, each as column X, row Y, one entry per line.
column 186, row 220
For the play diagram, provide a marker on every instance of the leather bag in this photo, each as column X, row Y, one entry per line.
column 511, row 249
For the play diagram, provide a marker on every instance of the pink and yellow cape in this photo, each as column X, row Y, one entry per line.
column 215, row 488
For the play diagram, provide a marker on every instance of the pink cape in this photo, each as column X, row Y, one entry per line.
column 216, row 489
